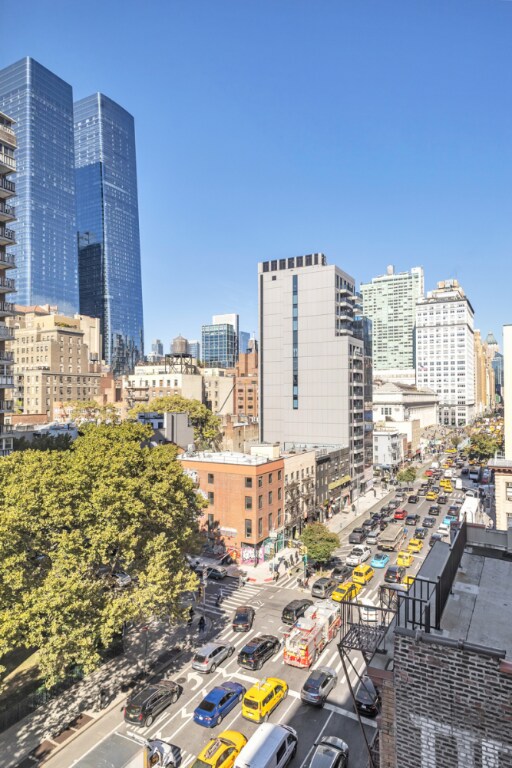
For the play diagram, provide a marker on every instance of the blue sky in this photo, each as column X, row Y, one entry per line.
column 375, row 131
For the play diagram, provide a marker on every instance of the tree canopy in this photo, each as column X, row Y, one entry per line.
column 206, row 426
column 320, row 541
column 43, row 443
column 90, row 411
column 69, row 521
column 483, row 447
column 407, row 475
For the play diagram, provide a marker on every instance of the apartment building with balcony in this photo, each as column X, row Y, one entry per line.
column 312, row 359
column 7, row 286
column 53, row 363
column 148, row 382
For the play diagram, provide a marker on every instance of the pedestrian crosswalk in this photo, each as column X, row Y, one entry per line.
column 232, row 596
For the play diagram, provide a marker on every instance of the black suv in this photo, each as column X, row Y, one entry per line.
column 341, row 573
column 258, row 651
column 412, row 519
column 357, row 536
column 370, row 524
column 296, row 609
column 145, row 704
column 243, row 618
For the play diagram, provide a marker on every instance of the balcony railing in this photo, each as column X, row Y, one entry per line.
column 8, row 161
column 6, row 209
column 7, row 283
column 6, row 405
column 7, row 234
column 6, row 306
column 6, row 429
column 6, row 381
column 6, row 357
column 6, row 334
column 8, row 186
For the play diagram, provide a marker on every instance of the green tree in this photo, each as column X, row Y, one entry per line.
column 483, row 447
column 206, row 426
column 43, row 443
column 69, row 520
column 320, row 541
column 90, row 411
column 407, row 475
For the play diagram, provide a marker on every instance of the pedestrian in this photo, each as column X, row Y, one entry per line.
column 202, row 624
column 276, row 576
column 190, row 616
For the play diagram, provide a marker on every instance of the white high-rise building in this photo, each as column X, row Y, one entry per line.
column 389, row 301
column 445, row 351
column 312, row 360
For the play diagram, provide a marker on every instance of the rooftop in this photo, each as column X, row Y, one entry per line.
column 226, row 457
column 479, row 609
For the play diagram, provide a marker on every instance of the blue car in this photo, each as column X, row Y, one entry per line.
column 380, row 560
column 216, row 704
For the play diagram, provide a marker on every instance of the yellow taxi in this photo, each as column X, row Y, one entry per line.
column 408, row 581
column 451, row 450
column 447, row 487
column 431, row 496
column 346, row 591
column 363, row 574
column 221, row 751
column 263, row 698
column 415, row 545
column 404, row 559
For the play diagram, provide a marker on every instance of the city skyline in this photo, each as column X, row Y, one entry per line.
column 349, row 153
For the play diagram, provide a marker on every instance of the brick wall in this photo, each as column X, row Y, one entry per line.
column 453, row 708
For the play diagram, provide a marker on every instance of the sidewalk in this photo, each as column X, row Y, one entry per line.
column 40, row 735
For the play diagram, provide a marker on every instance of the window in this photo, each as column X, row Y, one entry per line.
column 248, row 528
column 270, row 477
column 270, row 497
column 211, row 497
column 248, row 482
column 260, row 502
column 279, row 493
column 279, row 474
column 260, row 482
column 270, row 521
column 210, row 478
column 248, row 502
column 509, row 491
column 260, row 526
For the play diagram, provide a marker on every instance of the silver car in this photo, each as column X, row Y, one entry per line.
column 318, row 686
column 208, row 658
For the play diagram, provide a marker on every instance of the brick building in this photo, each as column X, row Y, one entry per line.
column 245, row 393
column 245, row 500
column 444, row 665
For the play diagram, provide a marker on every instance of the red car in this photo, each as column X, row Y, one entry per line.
column 428, row 473
column 400, row 514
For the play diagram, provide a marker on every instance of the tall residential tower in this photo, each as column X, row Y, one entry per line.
column 312, row 359
column 445, row 356
column 41, row 104
column 108, row 228
column 7, row 239
column 389, row 301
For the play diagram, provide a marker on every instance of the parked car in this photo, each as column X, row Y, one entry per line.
column 318, row 686
column 358, row 555
column 297, row 608
column 357, row 536
column 258, row 650
column 208, row 658
column 429, row 522
column 412, row 520
column 330, row 752
column 217, row 573
column 146, row 703
column 218, row 703
column 243, row 618
column 395, row 574
column 380, row 560
column 324, row 587
column 367, row 699
column 413, row 499
column 342, row 573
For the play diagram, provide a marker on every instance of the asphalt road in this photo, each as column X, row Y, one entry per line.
column 110, row 743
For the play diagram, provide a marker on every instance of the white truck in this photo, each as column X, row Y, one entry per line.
column 391, row 537
column 359, row 554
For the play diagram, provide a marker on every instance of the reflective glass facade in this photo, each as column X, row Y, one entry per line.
column 46, row 251
column 219, row 345
column 108, row 227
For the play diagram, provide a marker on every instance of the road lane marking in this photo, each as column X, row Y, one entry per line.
column 317, row 739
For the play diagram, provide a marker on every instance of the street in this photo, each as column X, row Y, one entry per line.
column 110, row 743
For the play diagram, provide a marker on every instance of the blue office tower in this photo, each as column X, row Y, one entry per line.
column 46, row 250
column 108, row 228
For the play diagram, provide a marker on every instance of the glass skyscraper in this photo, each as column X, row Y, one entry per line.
column 108, row 227
column 46, row 251
column 219, row 345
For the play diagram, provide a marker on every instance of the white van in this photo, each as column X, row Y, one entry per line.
column 458, row 484
column 271, row 746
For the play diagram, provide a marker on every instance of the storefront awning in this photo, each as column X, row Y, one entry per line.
column 337, row 483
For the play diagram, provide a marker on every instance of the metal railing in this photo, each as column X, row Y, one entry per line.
column 7, row 160
column 7, row 234
column 6, row 334
column 9, row 186
column 9, row 210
